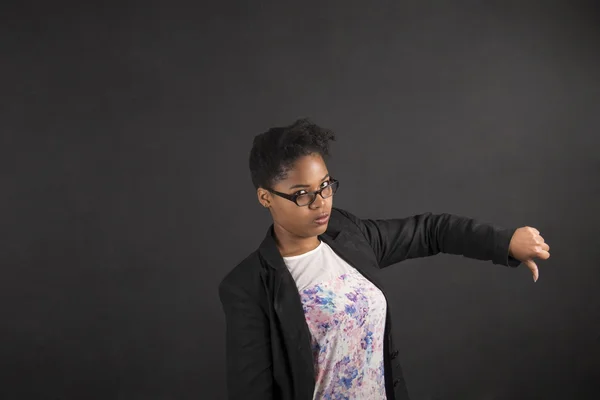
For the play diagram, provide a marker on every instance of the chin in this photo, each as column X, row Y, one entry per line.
column 322, row 228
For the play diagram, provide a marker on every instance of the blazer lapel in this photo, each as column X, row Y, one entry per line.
column 288, row 308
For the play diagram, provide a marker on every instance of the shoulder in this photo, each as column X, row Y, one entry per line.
column 344, row 220
column 245, row 270
column 244, row 279
column 342, row 215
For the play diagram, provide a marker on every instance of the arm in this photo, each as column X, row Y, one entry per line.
column 248, row 346
column 398, row 239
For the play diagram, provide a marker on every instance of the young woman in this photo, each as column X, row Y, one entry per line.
column 306, row 314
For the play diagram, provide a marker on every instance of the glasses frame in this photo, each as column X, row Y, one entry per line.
column 294, row 197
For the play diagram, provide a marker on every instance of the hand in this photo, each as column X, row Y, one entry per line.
column 527, row 244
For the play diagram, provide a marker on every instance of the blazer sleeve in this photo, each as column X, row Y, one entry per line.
column 397, row 239
column 247, row 345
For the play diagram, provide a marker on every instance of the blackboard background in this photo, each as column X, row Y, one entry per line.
column 126, row 197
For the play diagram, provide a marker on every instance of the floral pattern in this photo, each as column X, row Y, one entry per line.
column 346, row 318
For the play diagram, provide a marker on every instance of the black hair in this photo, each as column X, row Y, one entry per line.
column 275, row 151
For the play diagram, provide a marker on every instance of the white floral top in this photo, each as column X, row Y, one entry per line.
column 346, row 314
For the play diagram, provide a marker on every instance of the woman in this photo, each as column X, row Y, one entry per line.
column 306, row 314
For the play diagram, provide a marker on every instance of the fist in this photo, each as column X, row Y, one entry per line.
column 527, row 244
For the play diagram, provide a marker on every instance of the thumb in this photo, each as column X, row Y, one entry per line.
column 534, row 269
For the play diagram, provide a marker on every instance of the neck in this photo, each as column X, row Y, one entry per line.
column 291, row 245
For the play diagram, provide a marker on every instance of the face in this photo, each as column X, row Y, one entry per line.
column 308, row 174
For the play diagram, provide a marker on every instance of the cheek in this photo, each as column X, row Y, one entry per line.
column 290, row 215
column 298, row 219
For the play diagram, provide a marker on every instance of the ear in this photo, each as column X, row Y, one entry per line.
column 264, row 197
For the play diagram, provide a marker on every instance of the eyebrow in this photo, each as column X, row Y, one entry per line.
column 305, row 186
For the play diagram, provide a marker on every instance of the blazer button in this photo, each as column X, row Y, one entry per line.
column 396, row 381
column 394, row 354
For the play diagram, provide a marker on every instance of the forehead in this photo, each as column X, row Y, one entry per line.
column 307, row 169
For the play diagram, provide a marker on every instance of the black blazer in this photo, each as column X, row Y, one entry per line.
column 268, row 343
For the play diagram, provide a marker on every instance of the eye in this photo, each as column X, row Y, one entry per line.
column 300, row 192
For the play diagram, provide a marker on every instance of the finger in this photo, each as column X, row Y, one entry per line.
column 534, row 230
column 534, row 269
column 541, row 239
column 545, row 246
column 543, row 254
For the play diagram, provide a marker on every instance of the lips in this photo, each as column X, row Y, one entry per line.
column 322, row 217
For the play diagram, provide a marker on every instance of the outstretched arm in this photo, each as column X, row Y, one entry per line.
column 397, row 239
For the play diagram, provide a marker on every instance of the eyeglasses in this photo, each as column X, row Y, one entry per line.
column 306, row 199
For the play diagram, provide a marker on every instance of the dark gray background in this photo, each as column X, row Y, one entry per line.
column 126, row 195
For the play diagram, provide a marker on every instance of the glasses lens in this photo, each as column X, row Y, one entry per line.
column 327, row 191
column 304, row 199
column 331, row 189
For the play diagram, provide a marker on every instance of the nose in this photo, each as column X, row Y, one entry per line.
column 319, row 202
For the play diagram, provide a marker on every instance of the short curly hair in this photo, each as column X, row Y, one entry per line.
column 275, row 151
